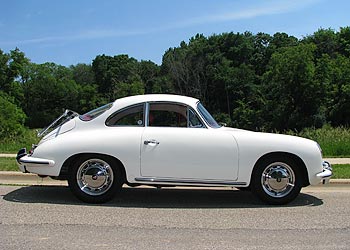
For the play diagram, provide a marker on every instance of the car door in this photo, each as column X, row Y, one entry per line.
column 125, row 128
column 177, row 145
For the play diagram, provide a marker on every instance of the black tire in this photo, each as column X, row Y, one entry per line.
column 276, row 180
column 244, row 189
column 95, row 178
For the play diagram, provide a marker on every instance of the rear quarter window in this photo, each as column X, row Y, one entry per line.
column 130, row 116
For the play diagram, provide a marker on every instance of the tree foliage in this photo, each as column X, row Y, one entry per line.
column 11, row 117
column 255, row 81
column 292, row 94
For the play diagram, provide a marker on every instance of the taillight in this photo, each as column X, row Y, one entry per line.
column 31, row 151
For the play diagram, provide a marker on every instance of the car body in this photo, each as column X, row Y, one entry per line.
column 163, row 140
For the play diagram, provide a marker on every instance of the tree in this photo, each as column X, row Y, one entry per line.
column 282, row 40
column 344, row 41
column 48, row 91
column 326, row 41
column 11, row 117
column 149, row 73
column 186, row 67
column 113, row 74
column 4, row 59
column 12, row 69
column 262, row 52
column 337, row 77
column 292, row 94
column 83, row 74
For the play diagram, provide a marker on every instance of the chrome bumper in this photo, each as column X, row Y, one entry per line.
column 326, row 174
column 25, row 160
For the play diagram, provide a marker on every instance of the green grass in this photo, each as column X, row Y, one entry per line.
column 12, row 145
column 335, row 142
column 339, row 171
column 8, row 164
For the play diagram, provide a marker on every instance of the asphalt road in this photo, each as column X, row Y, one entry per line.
column 49, row 217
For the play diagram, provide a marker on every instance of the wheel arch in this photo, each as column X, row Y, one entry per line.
column 286, row 155
column 64, row 172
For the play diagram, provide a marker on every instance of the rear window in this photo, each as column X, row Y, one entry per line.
column 95, row 113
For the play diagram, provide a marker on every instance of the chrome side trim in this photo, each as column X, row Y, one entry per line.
column 35, row 162
column 190, row 182
column 326, row 174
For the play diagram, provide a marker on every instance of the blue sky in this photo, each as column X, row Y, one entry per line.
column 68, row 32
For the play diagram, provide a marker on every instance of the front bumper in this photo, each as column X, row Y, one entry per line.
column 326, row 174
column 26, row 161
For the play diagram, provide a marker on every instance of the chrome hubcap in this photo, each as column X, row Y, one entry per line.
column 278, row 179
column 95, row 177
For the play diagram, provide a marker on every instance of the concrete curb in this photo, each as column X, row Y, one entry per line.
column 8, row 155
column 18, row 178
column 338, row 160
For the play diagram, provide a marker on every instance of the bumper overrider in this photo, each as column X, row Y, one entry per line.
column 326, row 174
column 25, row 161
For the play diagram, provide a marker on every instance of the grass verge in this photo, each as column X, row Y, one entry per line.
column 335, row 142
column 339, row 171
column 8, row 164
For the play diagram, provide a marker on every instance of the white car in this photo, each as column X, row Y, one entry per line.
column 170, row 140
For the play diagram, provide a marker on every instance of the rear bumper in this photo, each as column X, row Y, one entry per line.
column 25, row 161
column 326, row 174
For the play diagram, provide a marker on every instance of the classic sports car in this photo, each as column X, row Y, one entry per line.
column 170, row 140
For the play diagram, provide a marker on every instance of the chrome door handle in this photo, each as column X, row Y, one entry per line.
column 151, row 142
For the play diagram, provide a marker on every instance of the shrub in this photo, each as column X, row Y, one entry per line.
column 12, row 118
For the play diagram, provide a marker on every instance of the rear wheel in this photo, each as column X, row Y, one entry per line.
column 244, row 188
column 95, row 179
column 276, row 181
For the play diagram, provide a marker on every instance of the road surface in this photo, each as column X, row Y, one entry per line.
column 49, row 217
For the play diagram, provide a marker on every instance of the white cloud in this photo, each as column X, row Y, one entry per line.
column 269, row 8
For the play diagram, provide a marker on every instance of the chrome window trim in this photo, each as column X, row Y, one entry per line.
column 147, row 114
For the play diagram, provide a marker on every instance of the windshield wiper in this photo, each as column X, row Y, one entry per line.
column 66, row 116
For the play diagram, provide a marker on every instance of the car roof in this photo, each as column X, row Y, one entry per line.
column 130, row 100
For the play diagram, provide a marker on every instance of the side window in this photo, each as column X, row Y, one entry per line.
column 131, row 116
column 193, row 120
column 167, row 115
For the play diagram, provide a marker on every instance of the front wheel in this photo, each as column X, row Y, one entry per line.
column 276, row 181
column 95, row 179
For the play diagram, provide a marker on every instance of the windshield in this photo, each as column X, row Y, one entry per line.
column 95, row 113
column 207, row 116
